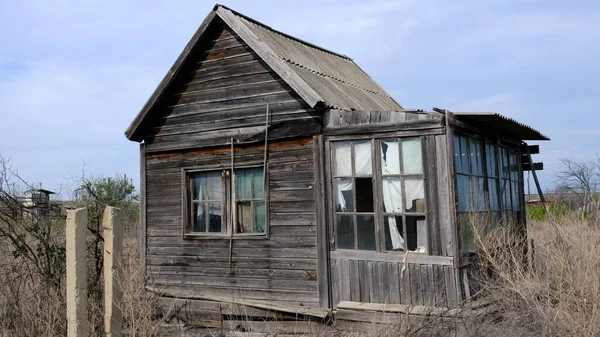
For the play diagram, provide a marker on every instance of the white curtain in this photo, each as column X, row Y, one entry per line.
column 389, row 155
column 362, row 158
column 392, row 203
column 414, row 191
column 343, row 185
column 343, row 158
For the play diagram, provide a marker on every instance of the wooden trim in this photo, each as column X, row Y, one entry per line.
column 131, row 131
column 406, row 257
column 430, row 179
column 323, row 261
column 143, row 198
column 281, row 68
column 413, row 125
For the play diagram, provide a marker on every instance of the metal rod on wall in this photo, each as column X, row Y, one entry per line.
column 265, row 161
column 232, row 204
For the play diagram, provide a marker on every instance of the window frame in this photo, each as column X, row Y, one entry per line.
column 377, row 176
column 228, row 203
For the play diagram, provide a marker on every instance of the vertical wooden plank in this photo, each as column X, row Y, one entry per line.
column 371, row 280
column 143, row 231
column 77, row 312
column 376, row 284
column 354, row 281
column 445, row 203
column 323, row 260
column 416, row 291
column 384, row 282
column 406, row 291
column 431, row 281
column 345, row 275
column 363, row 281
column 440, row 286
column 394, row 282
column 451, row 290
column 429, row 163
column 452, row 186
column 112, row 224
column 425, row 286
column 335, row 282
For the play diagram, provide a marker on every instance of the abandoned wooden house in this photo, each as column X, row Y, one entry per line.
column 277, row 178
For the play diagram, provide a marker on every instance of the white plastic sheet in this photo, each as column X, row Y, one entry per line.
column 412, row 158
column 392, row 203
column 390, row 158
column 362, row 158
column 342, row 154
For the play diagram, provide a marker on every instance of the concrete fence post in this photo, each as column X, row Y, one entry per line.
column 77, row 315
column 113, row 251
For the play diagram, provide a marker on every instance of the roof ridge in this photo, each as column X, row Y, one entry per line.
column 296, row 64
column 290, row 37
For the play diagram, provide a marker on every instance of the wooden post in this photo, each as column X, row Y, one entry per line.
column 113, row 252
column 77, row 315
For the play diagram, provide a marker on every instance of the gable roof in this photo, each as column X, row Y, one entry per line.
column 319, row 76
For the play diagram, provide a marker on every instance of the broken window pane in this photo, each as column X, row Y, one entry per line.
column 464, row 193
column 344, row 195
column 490, row 153
column 344, row 225
column 415, row 195
column 411, row 156
column 416, row 234
column 259, row 217
column 364, row 195
column 366, row 232
column 390, row 157
column 342, row 158
column 392, row 195
column 362, row 158
column 394, row 233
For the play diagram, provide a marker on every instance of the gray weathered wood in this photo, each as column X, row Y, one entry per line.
column 323, row 260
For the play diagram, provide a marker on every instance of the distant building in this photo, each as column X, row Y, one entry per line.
column 36, row 202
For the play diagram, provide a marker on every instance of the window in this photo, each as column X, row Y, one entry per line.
column 214, row 208
column 379, row 189
column 487, row 186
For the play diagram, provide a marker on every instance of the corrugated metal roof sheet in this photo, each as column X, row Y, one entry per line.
column 501, row 123
column 338, row 81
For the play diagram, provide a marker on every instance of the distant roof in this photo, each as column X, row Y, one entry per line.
column 321, row 77
column 501, row 123
column 42, row 190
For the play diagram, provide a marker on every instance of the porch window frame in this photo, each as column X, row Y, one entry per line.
column 377, row 177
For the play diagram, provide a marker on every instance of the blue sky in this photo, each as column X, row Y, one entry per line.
column 73, row 74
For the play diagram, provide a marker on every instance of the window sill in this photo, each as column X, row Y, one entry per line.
column 252, row 236
column 393, row 256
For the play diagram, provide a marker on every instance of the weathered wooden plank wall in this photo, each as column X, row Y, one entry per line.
column 223, row 88
column 281, row 268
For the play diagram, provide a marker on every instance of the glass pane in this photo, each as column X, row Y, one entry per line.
column 478, row 194
column 366, row 232
column 493, row 195
column 342, row 159
column 392, row 195
column 344, row 195
column 457, row 154
column 394, row 233
column 199, row 218
column 504, row 167
column 514, row 169
column 464, row 193
column 490, row 155
column 505, row 191
column 199, row 186
column 476, row 157
column 244, row 217
column 464, row 158
column 390, row 157
column 213, row 180
column 259, row 217
column 411, row 156
column 415, row 195
column 243, row 184
column 416, row 234
column 214, row 220
column 516, row 198
column 258, row 180
column 364, row 195
column 362, row 158
column 206, row 186
column 344, row 226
